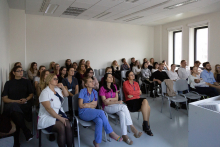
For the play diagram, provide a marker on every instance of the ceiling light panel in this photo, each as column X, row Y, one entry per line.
column 74, row 11
column 181, row 4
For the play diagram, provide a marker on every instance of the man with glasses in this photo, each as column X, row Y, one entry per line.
column 208, row 76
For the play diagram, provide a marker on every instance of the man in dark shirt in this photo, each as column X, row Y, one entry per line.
column 132, row 62
column 159, row 76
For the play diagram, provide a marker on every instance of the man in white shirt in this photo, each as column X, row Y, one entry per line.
column 172, row 74
column 197, row 64
column 183, row 72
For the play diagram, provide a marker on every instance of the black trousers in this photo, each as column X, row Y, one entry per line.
column 210, row 91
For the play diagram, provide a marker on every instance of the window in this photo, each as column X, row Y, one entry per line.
column 201, row 44
column 177, row 47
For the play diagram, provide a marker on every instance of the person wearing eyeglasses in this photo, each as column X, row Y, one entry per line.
column 71, row 84
column 112, row 105
column 17, row 97
column 51, row 115
column 134, row 103
column 89, row 74
column 87, row 100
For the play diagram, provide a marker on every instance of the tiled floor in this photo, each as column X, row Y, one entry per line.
column 167, row 132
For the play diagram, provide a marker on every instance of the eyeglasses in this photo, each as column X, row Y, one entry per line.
column 20, row 71
column 55, row 79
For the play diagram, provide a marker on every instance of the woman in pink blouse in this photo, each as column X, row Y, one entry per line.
column 112, row 105
column 89, row 73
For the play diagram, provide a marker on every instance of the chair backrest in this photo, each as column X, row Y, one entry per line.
column 99, row 78
column 123, row 74
column 65, row 104
column 164, row 88
column 75, row 103
column 181, row 85
column 101, row 72
column 96, row 72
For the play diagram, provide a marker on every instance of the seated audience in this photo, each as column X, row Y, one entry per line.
column 90, row 74
column 112, row 105
column 88, row 64
column 68, row 64
column 63, row 74
column 217, row 73
column 25, row 74
column 172, row 74
column 41, row 84
column 37, row 78
column 183, row 72
column 82, row 61
column 134, row 103
column 56, row 69
column 17, row 96
column 32, row 72
column 71, row 84
column 197, row 64
column 51, row 67
column 87, row 103
column 137, row 70
column 208, row 76
column 151, row 62
column 132, row 62
column 7, row 127
column 107, row 70
column 75, row 65
column 200, row 86
column 158, row 76
column 80, row 74
column 116, row 70
column 165, row 65
column 155, row 67
column 51, row 116
column 125, row 65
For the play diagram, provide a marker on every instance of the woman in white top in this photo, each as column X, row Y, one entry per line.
column 37, row 78
column 136, row 70
column 155, row 67
column 51, row 116
column 172, row 74
column 198, row 85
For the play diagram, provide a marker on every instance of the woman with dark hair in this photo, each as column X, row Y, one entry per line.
column 165, row 65
column 17, row 64
column 17, row 97
column 75, row 65
column 107, row 70
column 56, row 69
column 32, row 72
column 125, row 65
column 37, row 78
column 63, row 74
column 82, row 61
column 145, row 60
column 68, row 63
column 87, row 103
column 80, row 74
column 89, row 74
column 134, row 103
column 111, row 105
column 155, row 67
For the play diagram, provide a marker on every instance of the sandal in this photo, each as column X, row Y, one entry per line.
column 128, row 141
column 147, row 129
column 119, row 139
column 138, row 134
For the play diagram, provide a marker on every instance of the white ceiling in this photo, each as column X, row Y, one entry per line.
column 121, row 9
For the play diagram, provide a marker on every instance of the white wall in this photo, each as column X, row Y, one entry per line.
column 4, row 42
column 56, row 39
column 214, row 43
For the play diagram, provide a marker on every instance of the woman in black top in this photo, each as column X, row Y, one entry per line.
column 68, row 63
column 80, row 74
column 17, row 96
column 63, row 74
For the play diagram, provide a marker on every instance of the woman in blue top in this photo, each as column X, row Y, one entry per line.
column 87, row 103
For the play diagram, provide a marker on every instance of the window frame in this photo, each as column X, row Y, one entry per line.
column 195, row 40
column 174, row 32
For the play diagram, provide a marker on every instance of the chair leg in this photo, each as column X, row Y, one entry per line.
column 187, row 108
column 162, row 104
column 129, row 129
column 77, row 123
column 170, row 110
column 39, row 138
column 138, row 115
column 105, row 137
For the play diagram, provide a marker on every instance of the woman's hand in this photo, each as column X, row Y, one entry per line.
column 130, row 96
column 60, row 85
column 107, row 100
column 63, row 120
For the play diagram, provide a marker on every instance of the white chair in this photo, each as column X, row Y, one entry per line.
column 175, row 99
column 182, row 85
column 102, row 72
column 123, row 76
column 80, row 121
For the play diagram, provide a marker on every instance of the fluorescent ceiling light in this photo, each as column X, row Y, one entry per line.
column 181, row 4
column 51, row 8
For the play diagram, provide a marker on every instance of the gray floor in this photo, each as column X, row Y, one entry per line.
column 167, row 132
